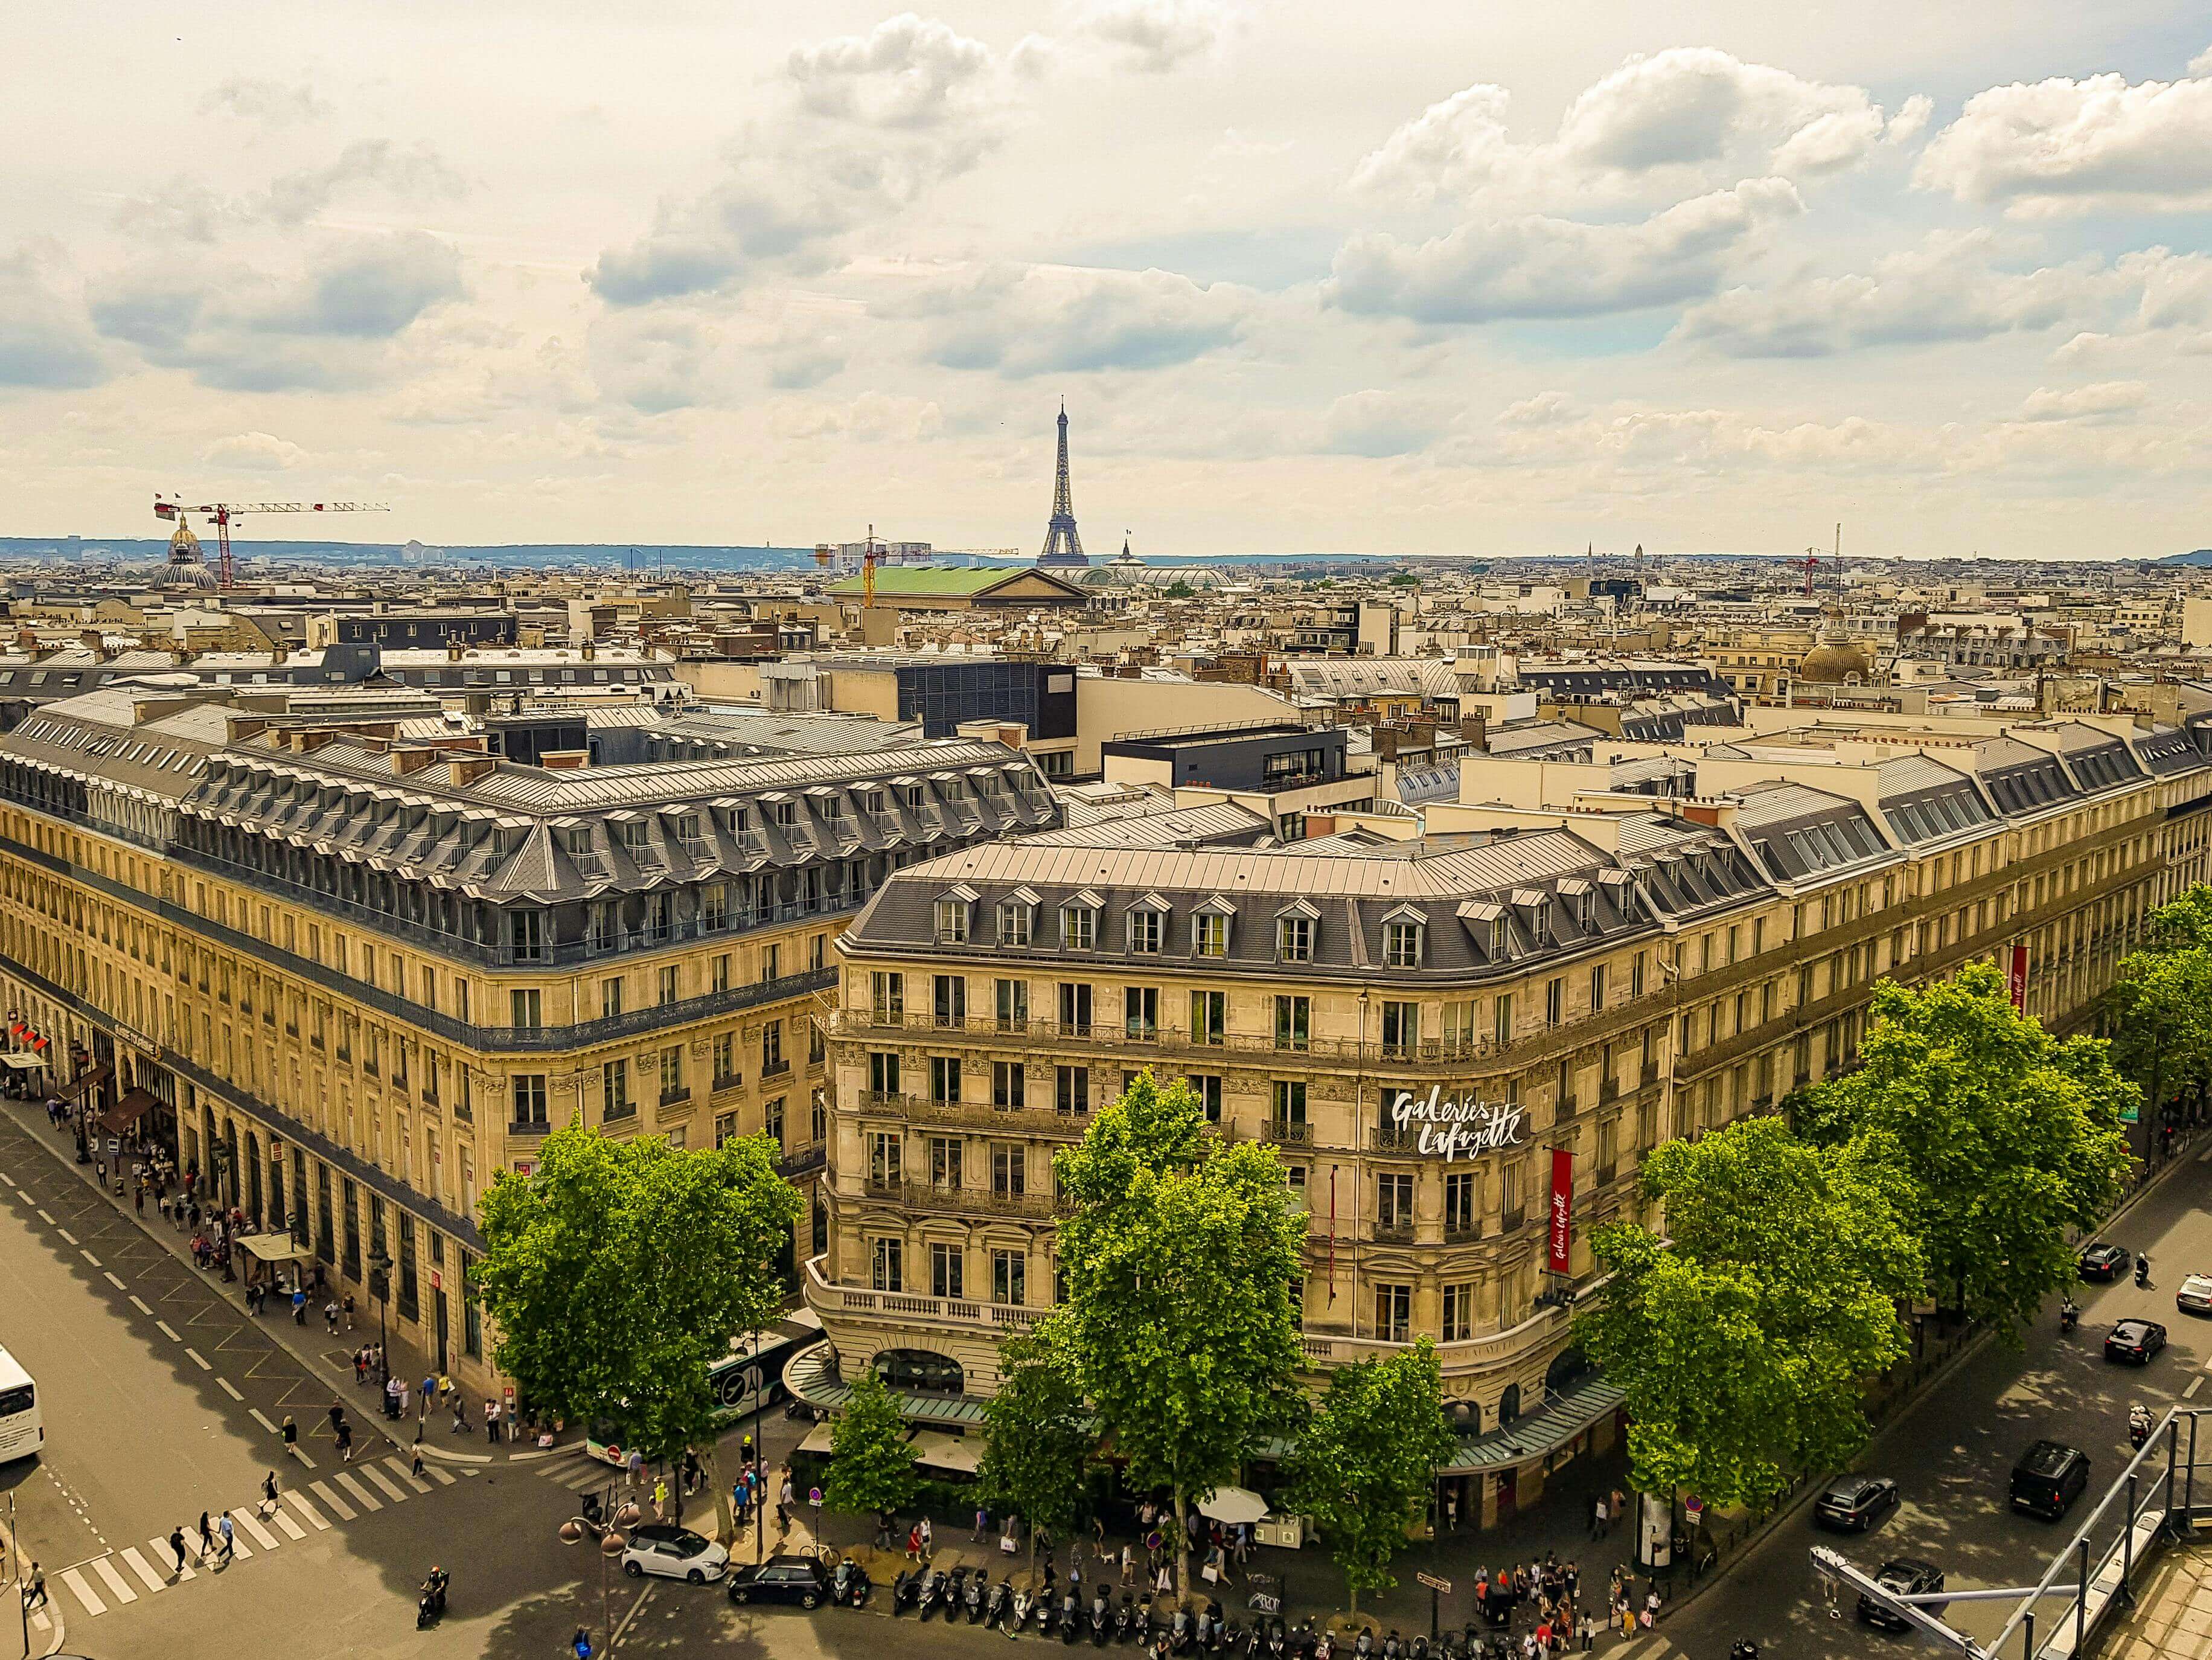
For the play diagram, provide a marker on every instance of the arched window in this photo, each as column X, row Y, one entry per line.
column 1568, row 1369
column 919, row 1371
column 1509, row 1405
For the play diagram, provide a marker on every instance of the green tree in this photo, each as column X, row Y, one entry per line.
column 871, row 1462
column 1042, row 1439
column 1743, row 1343
column 2008, row 1136
column 2158, row 1010
column 2183, row 923
column 1179, row 1254
column 1367, row 1458
column 1178, row 589
column 620, row 1271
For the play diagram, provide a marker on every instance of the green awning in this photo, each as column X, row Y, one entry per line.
column 1551, row 1426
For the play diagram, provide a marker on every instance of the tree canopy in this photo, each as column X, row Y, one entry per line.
column 1741, row 1346
column 2183, row 923
column 620, row 1271
column 2007, row 1136
column 871, row 1462
column 1042, row 1438
column 1180, row 1254
column 1367, row 1458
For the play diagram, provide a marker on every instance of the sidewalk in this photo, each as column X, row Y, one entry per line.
column 323, row 1357
column 2172, row 1615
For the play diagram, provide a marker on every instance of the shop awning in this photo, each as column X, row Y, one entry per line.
column 24, row 1062
column 818, row 1440
column 77, row 1088
column 128, row 1111
column 947, row 1452
column 274, row 1246
column 1566, row 1415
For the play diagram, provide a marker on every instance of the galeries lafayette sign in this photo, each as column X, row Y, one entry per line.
column 1450, row 1127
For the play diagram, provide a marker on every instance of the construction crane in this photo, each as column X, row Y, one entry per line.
column 223, row 514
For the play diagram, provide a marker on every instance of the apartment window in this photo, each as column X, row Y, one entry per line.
column 1402, row 945
column 726, row 1058
column 1608, row 1143
column 890, row 1268
column 614, row 1090
column 1147, row 931
column 1209, row 1016
column 1010, row 1275
column 945, row 1262
column 1078, row 929
column 1394, row 1313
column 1014, row 922
column 1394, row 1200
column 883, row 1072
column 1459, row 1202
column 352, row 1268
column 884, row 1160
column 725, row 1126
column 1074, row 1009
column 1555, row 1001
column 1293, row 1016
column 1509, row 1187
column 1141, row 1013
column 1459, row 1313
column 772, row 1061
column 1636, row 975
column 718, row 973
column 667, row 986
column 952, row 920
column 772, row 963
column 1502, row 1029
column 1013, row 1005
column 945, row 1161
column 1294, row 938
column 1401, row 1029
column 1009, row 1169
column 529, row 1089
column 1289, row 1105
column 671, row 1072
column 772, row 1120
column 1597, row 989
column 887, row 994
column 1207, row 1088
column 525, row 1009
column 1209, row 935
column 1009, row 1086
column 944, row 1079
column 1071, row 1090
column 611, row 998
column 714, row 907
column 948, row 1000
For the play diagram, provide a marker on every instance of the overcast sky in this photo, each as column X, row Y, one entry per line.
column 1397, row 276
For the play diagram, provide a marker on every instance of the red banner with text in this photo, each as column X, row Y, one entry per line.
column 2016, row 977
column 1562, row 1208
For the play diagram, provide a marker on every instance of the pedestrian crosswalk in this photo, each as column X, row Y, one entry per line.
column 578, row 1471
column 123, row 1577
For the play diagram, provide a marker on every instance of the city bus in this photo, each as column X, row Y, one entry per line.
column 21, row 1433
column 750, row 1377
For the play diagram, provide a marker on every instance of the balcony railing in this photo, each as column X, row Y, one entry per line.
column 906, row 1308
column 529, row 1127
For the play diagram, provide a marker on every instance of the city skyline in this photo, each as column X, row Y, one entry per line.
column 1409, row 283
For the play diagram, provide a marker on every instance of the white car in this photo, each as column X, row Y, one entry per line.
column 673, row 1553
column 2195, row 1296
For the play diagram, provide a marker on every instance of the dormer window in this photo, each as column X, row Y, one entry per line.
column 1078, row 923
column 687, row 834
column 787, row 814
column 1401, row 943
column 1148, row 926
column 951, row 921
column 637, row 840
column 1209, row 935
column 1495, row 945
column 1294, row 938
column 1016, row 917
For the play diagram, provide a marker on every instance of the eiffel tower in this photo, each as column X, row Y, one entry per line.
column 1063, row 547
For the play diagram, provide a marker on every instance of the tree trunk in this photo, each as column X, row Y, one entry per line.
column 1182, row 1544
column 725, row 1520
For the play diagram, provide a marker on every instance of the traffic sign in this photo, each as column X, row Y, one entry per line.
column 1434, row 1583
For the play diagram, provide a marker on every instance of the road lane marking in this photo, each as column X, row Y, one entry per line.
column 9, row 1179
column 138, row 1304
column 228, row 1390
column 47, row 1220
column 385, row 1482
column 2195, row 1384
column 85, row 1593
column 200, row 1361
column 439, row 1475
column 398, row 1468
column 291, row 1530
column 143, row 1569
column 262, row 1419
column 113, row 1281
column 343, row 1511
column 301, row 1453
column 184, row 1570
column 87, row 1256
column 362, row 1496
column 168, row 1331
column 251, row 1523
column 115, row 1581
column 299, row 1502
column 67, row 1235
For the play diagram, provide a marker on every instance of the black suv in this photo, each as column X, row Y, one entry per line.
column 799, row 1579
column 2049, row 1478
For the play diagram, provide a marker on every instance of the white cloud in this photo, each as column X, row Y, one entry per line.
column 274, row 103
column 1378, row 424
column 46, row 342
column 1945, row 290
column 2099, row 402
column 1040, row 319
column 872, row 418
column 254, row 452
column 1540, row 267
column 910, row 71
column 1157, row 36
column 2094, row 145
column 413, row 172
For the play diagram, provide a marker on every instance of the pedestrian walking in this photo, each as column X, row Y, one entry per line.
column 291, row 1434
column 345, row 1442
column 207, row 1536
column 1129, row 1565
column 1597, row 1517
column 177, row 1544
column 430, row 1398
column 268, row 1493
column 298, row 1305
column 417, row 1471
column 581, row 1644
column 1590, row 1633
column 360, row 1366
column 461, row 1413
column 349, row 1310
column 491, row 1421
column 928, row 1533
column 982, row 1521
column 34, row 1589
column 659, row 1499
column 331, row 1318
column 338, row 1416
column 914, row 1543
column 229, row 1536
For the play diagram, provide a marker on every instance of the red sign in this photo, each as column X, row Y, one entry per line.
column 2016, row 977
column 437, row 1280
column 1562, row 1206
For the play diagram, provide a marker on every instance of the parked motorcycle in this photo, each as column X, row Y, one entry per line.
column 1002, row 1600
column 1101, row 1619
column 936, row 1593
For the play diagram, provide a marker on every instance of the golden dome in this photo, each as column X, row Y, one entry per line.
column 1833, row 663
column 184, row 542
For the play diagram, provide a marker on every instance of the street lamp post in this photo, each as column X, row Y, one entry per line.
column 612, row 1542
column 379, row 1282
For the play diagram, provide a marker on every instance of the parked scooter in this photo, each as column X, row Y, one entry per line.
column 973, row 1596
column 1101, row 1619
column 906, row 1591
column 849, row 1584
column 1071, row 1617
column 1001, row 1602
column 2143, row 1269
column 1124, row 1618
column 936, row 1593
